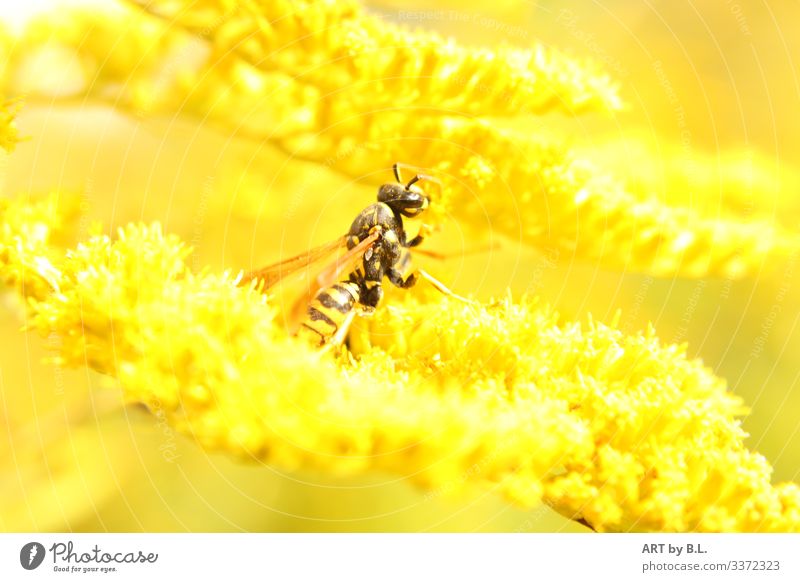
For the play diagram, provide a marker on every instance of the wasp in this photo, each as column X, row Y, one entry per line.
column 377, row 248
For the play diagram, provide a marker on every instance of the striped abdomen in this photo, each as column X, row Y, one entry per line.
column 329, row 310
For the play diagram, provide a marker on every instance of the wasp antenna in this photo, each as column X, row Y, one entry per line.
column 396, row 169
column 413, row 180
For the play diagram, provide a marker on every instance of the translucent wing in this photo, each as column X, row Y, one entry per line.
column 333, row 273
column 272, row 274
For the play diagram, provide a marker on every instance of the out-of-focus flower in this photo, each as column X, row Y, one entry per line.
column 336, row 47
column 618, row 431
column 737, row 185
column 325, row 82
column 8, row 129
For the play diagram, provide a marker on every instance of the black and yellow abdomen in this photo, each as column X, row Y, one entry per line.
column 329, row 310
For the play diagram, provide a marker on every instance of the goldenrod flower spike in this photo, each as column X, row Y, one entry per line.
column 659, row 446
column 333, row 45
column 618, row 431
column 739, row 184
column 533, row 191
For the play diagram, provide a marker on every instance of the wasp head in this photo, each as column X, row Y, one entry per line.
column 408, row 200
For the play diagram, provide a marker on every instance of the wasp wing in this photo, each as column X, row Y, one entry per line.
column 272, row 274
column 333, row 273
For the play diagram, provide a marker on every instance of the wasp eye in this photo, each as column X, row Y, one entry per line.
column 390, row 192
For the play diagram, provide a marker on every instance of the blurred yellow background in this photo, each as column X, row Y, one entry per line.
column 702, row 83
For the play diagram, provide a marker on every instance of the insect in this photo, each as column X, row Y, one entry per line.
column 377, row 247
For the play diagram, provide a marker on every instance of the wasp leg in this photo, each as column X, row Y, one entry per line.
column 396, row 277
column 424, row 231
column 338, row 338
column 371, row 295
column 485, row 248
column 441, row 287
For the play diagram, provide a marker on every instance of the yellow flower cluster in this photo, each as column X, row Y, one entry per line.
column 105, row 56
column 618, row 431
column 24, row 248
column 334, row 46
column 8, row 128
column 325, row 82
column 744, row 185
